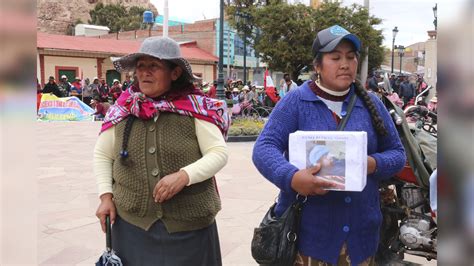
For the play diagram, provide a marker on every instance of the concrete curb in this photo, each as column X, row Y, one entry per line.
column 242, row 138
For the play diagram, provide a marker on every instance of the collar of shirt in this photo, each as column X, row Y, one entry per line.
column 308, row 95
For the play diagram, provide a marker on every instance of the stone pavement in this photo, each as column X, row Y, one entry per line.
column 69, row 232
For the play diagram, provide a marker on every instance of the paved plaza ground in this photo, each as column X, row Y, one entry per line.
column 69, row 232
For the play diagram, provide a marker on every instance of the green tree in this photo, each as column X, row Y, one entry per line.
column 117, row 17
column 286, row 32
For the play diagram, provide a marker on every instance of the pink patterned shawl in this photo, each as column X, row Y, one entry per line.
column 133, row 102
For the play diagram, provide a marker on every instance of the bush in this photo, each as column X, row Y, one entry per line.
column 247, row 126
column 235, row 131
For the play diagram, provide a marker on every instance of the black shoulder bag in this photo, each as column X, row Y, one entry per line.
column 274, row 241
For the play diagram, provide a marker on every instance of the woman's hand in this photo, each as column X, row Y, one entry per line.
column 170, row 185
column 306, row 183
column 371, row 165
column 106, row 207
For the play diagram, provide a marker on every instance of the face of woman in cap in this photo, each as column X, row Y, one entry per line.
column 155, row 77
column 338, row 68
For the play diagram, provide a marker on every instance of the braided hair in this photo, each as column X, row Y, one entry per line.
column 124, row 158
column 377, row 121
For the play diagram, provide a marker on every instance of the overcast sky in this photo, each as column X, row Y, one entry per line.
column 413, row 17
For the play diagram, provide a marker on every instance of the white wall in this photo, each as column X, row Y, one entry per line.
column 88, row 66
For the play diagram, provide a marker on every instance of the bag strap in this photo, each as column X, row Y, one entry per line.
column 343, row 122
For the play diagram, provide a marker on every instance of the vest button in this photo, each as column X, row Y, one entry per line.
column 151, row 128
column 152, row 150
column 155, row 172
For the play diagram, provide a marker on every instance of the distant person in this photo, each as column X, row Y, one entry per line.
column 65, row 86
column 104, row 90
column 407, row 91
column 76, row 88
column 115, row 90
column 212, row 93
column 393, row 84
column 52, row 87
column 373, row 83
column 286, row 85
column 127, row 82
column 87, row 92
column 95, row 87
column 100, row 107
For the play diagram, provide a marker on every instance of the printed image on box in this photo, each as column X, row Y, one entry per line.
column 332, row 157
column 342, row 155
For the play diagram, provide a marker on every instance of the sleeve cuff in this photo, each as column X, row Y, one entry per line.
column 188, row 170
column 378, row 165
column 286, row 182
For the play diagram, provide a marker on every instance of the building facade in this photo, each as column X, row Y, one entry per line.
column 87, row 57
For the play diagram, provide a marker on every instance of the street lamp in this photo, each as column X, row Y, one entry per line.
column 394, row 32
column 401, row 53
column 435, row 13
column 243, row 17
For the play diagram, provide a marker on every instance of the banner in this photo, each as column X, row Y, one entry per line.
column 52, row 108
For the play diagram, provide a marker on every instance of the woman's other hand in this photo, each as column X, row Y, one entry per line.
column 371, row 165
column 170, row 185
column 306, row 183
column 106, row 207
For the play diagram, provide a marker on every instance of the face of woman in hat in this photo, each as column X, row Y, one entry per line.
column 339, row 67
column 154, row 76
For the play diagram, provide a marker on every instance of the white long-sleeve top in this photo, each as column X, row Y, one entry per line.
column 211, row 143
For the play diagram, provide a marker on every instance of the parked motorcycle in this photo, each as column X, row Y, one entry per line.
column 408, row 224
column 421, row 114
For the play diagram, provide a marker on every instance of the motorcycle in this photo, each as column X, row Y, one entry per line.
column 409, row 226
column 422, row 113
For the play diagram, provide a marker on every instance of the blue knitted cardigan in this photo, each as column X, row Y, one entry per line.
column 337, row 217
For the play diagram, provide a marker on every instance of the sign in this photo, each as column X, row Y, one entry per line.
column 52, row 108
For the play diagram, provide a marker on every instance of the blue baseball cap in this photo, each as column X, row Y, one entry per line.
column 327, row 39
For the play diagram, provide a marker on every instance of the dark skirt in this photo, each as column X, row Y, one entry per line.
column 157, row 247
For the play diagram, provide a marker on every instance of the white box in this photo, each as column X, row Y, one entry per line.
column 342, row 154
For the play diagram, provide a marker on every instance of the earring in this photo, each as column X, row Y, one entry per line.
column 318, row 78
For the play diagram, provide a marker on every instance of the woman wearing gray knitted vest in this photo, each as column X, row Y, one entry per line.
column 160, row 146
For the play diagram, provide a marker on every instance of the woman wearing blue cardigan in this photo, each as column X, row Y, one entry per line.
column 337, row 227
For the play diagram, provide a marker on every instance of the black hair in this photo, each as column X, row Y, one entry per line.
column 182, row 81
column 377, row 121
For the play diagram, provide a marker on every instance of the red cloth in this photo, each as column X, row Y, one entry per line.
column 272, row 94
column 212, row 93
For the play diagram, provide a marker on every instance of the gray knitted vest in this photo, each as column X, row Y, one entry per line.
column 157, row 149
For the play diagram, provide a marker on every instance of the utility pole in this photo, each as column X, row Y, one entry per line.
column 228, row 52
column 365, row 63
column 165, row 20
column 220, row 79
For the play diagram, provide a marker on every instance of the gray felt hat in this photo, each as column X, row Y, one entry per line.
column 163, row 48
